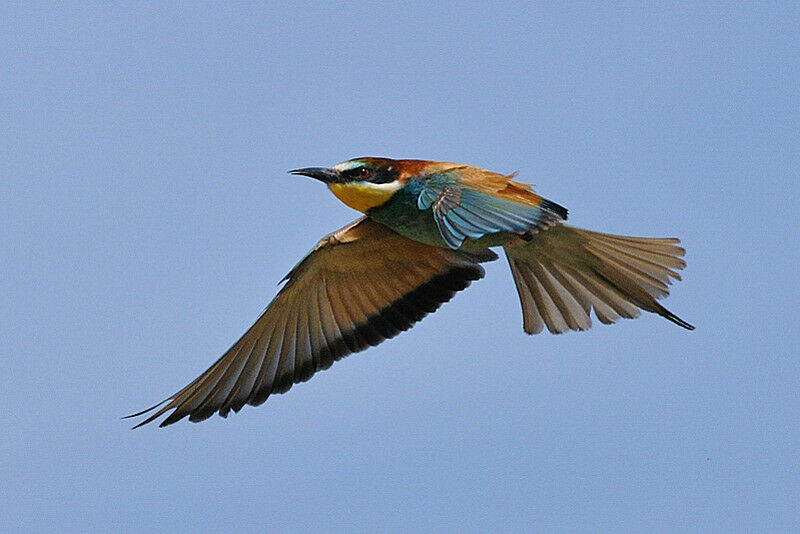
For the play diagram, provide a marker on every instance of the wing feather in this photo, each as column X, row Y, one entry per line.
column 464, row 207
column 359, row 286
column 563, row 273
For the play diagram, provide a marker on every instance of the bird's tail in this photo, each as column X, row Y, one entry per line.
column 563, row 273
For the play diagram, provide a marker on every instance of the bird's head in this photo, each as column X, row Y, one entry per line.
column 361, row 183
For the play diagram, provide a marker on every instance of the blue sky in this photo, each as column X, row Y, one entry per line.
column 147, row 217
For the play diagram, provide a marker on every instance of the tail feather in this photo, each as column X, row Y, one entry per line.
column 564, row 273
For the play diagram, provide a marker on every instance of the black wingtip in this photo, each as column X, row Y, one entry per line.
column 146, row 410
column 134, row 427
column 678, row 321
column 558, row 209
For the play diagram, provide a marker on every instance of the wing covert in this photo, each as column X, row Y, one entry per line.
column 462, row 211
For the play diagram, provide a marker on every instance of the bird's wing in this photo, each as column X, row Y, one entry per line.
column 358, row 286
column 563, row 273
column 463, row 208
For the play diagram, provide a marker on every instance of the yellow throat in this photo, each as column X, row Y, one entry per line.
column 363, row 196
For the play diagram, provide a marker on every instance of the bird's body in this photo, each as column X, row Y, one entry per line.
column 410, row 210
column 427, row 227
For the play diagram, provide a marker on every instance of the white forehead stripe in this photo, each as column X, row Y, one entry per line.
column 347, row 165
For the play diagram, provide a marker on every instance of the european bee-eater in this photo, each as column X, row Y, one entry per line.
column 427, row 227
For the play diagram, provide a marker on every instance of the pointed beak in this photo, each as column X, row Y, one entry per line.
column 320, row 173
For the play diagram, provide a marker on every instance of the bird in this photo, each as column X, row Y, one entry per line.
column 427, row 227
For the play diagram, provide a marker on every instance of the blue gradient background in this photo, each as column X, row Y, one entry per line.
column 147, row 216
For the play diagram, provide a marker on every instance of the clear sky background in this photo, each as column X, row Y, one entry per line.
column 146, row 217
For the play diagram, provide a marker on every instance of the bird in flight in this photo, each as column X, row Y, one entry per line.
column 426, row 229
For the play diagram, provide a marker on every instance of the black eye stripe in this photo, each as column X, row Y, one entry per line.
column 374, row 175
column 382, row 177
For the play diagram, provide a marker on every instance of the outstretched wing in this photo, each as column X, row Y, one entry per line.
column 564, row 273
column 359, row 286
column 464, row 207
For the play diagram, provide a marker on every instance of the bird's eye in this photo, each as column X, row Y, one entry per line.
column 364, row 172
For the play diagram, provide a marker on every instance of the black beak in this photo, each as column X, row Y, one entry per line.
column 323, row 175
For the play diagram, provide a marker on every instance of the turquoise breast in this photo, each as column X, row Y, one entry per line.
column 402, row 215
